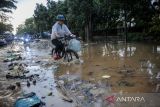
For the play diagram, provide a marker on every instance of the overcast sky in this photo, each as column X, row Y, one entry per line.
column 25, row 9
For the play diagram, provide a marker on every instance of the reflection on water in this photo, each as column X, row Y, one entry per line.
column 156, row 49
column 118, row 50
column 132, row 67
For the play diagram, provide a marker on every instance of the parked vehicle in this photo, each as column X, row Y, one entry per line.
column 26, row 38
column 3, row 42
column 9, row 37
column 46, row 35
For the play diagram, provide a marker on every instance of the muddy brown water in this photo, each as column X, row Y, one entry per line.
column 132, row 67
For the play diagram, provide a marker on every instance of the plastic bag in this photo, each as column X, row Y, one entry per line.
column 74, row 45
column 29, row 100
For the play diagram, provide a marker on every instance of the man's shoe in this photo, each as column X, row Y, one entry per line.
column 57, row 57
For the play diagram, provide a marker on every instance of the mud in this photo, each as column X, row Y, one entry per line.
column 121, row 68
column 32, row 72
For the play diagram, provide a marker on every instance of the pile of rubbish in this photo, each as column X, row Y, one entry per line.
column 19, row 71
column 82, row 93
column 13, row 57
column 16, row 68
column 24, row 75
column 9, row 93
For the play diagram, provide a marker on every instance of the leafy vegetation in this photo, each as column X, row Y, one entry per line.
column 136, row 19
column 6, row 6
column 28, row 26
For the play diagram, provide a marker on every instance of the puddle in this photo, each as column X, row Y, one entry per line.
column 45, row 88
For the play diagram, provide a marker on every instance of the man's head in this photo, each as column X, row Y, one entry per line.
column 60, row 19
column 155, row 4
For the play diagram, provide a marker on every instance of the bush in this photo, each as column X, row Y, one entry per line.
column 135, row 36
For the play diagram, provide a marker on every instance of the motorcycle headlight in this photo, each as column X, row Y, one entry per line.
column 26, row 40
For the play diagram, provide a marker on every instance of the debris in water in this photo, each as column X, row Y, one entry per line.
column 106, row 76
column 83, row 92
column 28, row 84
column 68, row 100
column 50, row 94
column 125, row 83
column 90, row 73
column 18, row 84
column 11, row 87
column 43, row 97
column 34, row 82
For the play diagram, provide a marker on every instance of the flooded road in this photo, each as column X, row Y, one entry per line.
column 133, row 67
column 38, row 67
column 123, row 68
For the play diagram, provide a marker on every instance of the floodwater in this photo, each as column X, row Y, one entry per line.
column 36, row 57
column 132, row 68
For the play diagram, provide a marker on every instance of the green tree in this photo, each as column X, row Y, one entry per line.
column 29, row 26
column 88, row 16
column 5, row 27
column 80, row 15
column 6, row 6
column 40, row 17
column 20, row 29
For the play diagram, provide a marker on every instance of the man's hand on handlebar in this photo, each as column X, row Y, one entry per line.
column 72, row 35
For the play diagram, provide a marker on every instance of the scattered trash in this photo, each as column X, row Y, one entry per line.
column 18, row 84
column 126, row 71
column 43, row 97
column 28, row 84
column 9, row 76
column 37, row 61
column 125, row 83
column 34, row 82
column 79, row 91
column 14, row 76
column 50, row 94
column 11, row 87
column 68, row 100
column 13, row 57
column 106, row 76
